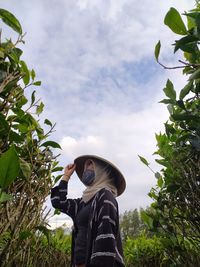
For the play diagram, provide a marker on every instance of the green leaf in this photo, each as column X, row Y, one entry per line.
column 152, row 195
column 57, row 169
column 19, row 112
column 40, row 133
column 13, row 136
column 186, row 90
column 55, row 163
column 57, row 178
column 21, row 102
column 48, row 122
column 167, row 101
column 157, row 175
column 157, row 50
column 162, row 162
column 143, row 160
column 4, row 197
column 25, row 167
column 52, row 144
column 38, row 83
column 32, row 74
column 180, row 104
column 160, row 182
column 33, row 97
column 40, row 108
column 195, row 75
column 169, row 90
column 25, row 70
column 184, row 116
column 169, row 129
column 195, row 19
column 2, row 55
column 170, row 109
column 57, row 212
column 147, row 219
column 15, row 55
column 174, row 21
column 4, row 124
column 18, row 52
column 9, row 166
column 23, row 127
column 9, row 19
column 187, row 44
column 190, row 22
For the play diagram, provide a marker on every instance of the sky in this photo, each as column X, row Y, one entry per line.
column 100, row 82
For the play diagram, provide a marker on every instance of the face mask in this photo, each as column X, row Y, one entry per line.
column 88, row 177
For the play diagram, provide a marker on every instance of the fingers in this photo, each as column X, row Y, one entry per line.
column 71, row 166
column 68, row 171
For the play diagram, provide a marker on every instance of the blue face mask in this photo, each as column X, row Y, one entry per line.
column 88, row 177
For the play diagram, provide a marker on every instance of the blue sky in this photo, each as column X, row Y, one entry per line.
column 100, row 82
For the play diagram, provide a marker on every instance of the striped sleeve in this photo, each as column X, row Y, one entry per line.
column 60, row 201
column 105, row 252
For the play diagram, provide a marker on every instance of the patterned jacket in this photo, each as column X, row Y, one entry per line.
column 104, row 248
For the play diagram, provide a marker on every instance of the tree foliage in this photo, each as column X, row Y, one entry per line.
column 176, row 206
column 131, row 224
column 26, row 156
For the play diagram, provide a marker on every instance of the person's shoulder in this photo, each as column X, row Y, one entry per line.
column 105, row 194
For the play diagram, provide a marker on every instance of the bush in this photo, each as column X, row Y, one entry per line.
column 175, row 213
column 143, row 251
column 26, row 157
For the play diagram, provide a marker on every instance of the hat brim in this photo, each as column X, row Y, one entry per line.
column 119, row 178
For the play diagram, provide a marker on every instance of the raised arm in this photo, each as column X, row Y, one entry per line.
column 59, row 198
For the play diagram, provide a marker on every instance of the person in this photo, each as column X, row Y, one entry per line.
column 96, row 239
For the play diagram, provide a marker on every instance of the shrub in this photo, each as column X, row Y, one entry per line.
column 26, row 157
column 143, row 251
column 175, row 213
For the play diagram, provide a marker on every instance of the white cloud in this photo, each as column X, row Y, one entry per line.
column 71, row 43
